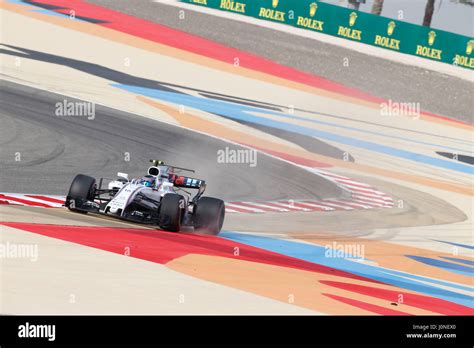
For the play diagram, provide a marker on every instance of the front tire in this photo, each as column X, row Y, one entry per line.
column 209, row 215
column 82, row 189
column 171, row 212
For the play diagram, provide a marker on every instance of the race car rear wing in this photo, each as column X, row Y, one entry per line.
column 191, row 183
column 187, row 182
column 162, row 163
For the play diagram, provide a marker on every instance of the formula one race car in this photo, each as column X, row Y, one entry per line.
column 158, row 198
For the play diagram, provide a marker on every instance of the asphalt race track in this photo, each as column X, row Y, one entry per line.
column 56, row 151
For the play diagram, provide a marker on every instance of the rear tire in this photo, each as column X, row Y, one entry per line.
column 209, row 215
column 171, row 212
column 82, row 188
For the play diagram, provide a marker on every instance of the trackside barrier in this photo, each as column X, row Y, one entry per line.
column 358, row 26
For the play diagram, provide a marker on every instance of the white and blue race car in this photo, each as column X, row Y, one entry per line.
column 159, row 198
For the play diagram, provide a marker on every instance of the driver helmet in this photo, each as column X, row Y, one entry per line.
column 148, row 181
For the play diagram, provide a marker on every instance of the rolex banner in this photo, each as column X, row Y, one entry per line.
column 357, row 26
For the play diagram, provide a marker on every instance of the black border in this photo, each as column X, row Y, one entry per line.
column 237, row 330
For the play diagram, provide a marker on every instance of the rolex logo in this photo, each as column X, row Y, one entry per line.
column 431, row 38
column 391, row 28
column 274, row 3
column 352, row 18
column 470, row 47
column 312, row 9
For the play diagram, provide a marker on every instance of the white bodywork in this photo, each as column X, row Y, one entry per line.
column 129, row 189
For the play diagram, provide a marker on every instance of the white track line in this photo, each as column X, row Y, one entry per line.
column 261, row 205
column 237, row 206
column 290, row 206
column 373, row 204
column 338, row 206
column 319, row 205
